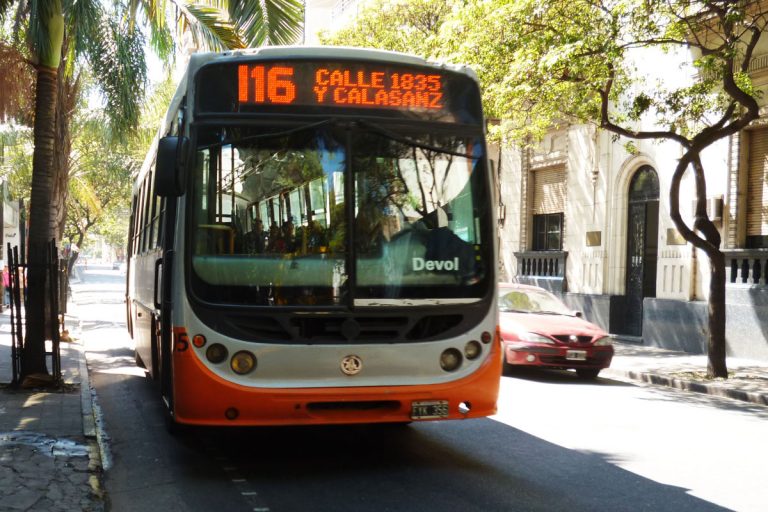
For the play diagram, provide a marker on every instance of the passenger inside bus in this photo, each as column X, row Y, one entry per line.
column 254, row 239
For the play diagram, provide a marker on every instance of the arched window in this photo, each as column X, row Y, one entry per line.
column 644, row 185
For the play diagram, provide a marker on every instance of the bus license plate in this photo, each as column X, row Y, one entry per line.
column 576, row 355
column 431, row 410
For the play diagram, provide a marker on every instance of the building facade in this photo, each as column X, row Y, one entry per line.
column 586, row 217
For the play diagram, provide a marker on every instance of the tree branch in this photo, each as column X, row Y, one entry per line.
column 607, row 124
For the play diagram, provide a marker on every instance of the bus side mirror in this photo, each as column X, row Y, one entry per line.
column 169, row 166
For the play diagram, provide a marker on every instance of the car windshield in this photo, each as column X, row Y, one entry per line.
column 323, row 215
column 530, row 300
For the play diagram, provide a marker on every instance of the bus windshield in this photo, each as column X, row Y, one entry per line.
column 332, row 215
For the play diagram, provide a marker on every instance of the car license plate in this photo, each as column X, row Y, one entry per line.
column 430, row 410
column 576, row 355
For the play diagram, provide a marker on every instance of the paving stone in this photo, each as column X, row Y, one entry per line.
column 54, row 493
column 32, row 478
column 21, row 500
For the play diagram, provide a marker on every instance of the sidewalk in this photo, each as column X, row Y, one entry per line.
column 49, row 458
column 747, row 380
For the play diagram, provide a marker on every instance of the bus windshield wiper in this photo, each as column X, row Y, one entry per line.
column 269, row 135
column 413, row 142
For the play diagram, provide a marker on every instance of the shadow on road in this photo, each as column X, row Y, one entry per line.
column 477, row 465
column 568, row 377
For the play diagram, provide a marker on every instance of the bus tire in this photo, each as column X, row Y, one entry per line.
column 172, row 426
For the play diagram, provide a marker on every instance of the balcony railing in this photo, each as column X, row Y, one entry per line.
column 541, row 263
column 747, row 266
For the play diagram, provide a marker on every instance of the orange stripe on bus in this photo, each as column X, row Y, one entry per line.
column 202, row 397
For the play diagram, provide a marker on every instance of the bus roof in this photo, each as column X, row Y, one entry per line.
column 338, row 52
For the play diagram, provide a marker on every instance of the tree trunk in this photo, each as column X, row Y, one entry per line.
column 40, row 225
column 74, row 255
column 716, row 348
column 710, row 244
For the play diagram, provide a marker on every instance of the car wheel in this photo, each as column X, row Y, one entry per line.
column 587, row 373
column 506, row 368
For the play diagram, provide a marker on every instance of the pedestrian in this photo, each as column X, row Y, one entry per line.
column 6, row 286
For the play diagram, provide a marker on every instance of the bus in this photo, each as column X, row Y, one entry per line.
column 313, row 241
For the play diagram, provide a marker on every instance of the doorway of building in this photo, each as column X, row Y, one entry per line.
column 642, row 246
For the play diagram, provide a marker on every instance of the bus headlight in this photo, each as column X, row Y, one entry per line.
column 450, row 359
column 472, row 350
column 243, row 362
column 216, row 353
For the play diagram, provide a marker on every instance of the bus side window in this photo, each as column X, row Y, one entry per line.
column 215, row 239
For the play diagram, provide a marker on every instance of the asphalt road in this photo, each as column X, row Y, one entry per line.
column 557, row 444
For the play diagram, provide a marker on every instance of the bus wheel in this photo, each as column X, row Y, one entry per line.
column 172, row 426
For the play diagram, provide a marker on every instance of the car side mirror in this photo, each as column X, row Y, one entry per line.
column 170, row 166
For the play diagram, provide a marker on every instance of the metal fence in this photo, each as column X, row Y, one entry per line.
column 53, row 308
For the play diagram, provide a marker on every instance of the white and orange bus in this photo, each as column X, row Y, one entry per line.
column 313, row 241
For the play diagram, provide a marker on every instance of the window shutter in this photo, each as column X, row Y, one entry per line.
column 757, row 186
column 549, row 190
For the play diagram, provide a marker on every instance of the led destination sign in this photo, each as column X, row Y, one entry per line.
column 260, row 84
column 319, row 86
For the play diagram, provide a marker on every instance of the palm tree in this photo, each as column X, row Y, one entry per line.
column 63, row 30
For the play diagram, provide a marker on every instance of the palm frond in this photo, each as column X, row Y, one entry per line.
column 161, row 41
column 20, row 23
column 155, row 11
column 16, row 95
column 37, row 33
column 155, row 14
column 211, row 27
column 117, row 58
column 269, row 22
column 82, row 18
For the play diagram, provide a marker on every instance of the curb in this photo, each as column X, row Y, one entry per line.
column 95, row 450
column 696, row 387
column 86, row 403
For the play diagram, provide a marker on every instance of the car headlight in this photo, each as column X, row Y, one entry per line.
column 604, row 341
column 532, row 337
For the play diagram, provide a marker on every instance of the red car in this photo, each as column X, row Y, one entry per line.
column 537, row 329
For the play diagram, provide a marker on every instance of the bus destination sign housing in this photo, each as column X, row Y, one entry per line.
column 322, row 87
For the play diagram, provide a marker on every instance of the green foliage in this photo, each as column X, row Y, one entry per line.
column 100, row 181
column 538, row 63
column 82, row 19
column 17, row 146
column 268, row 22
column 542, row 63
column 117, row 58
column 152, row 113
column 396, row 25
